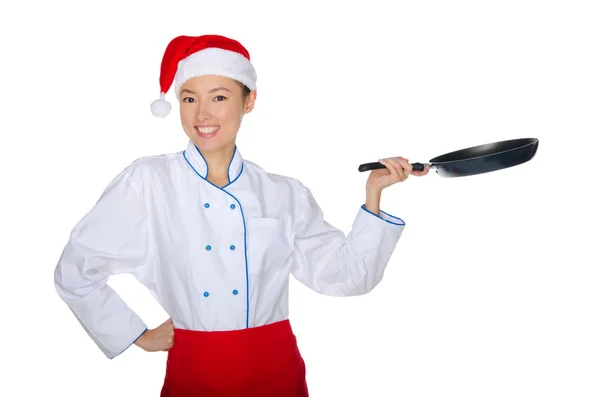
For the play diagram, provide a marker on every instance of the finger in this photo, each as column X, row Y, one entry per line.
column 400, row 165
column 388, row 164
column 420, row 173
column 407, row 168
column 425, row 171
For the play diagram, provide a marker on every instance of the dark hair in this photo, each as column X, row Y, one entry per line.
column 245, row 90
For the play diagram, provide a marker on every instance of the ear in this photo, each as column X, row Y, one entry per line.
column 249, row 103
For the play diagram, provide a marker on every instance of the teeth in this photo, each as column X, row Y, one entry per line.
column 207, row 130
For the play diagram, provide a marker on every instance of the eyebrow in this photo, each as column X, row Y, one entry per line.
column 218, row 89
column 210, row 92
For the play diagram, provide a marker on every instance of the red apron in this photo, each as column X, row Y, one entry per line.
column 254, row 362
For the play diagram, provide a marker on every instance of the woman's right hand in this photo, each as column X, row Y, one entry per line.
column 160, row 338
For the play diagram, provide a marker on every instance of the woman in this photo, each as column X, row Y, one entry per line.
column 214, row 237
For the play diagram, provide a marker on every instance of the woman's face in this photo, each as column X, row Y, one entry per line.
column 211, row 110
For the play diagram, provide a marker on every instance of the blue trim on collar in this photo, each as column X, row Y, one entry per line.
column 243, row 221
column 205, row 162
column 205, row 178
column 231, row 161
column 228, row 167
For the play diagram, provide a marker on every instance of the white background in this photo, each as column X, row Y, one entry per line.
column 494, row 289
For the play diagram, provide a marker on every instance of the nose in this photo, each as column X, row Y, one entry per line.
column 202, row 111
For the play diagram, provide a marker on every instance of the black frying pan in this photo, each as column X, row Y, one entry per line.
column 477, row 159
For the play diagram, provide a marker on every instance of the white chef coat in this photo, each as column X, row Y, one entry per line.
column 214, row 258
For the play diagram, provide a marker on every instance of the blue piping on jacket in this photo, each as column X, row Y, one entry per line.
column 131, row 344
column 228, row 167
column 243, row 220
column 391, row 216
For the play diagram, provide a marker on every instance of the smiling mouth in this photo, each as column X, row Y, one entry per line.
column 207, row 131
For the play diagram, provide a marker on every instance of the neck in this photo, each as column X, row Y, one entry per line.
column 218, row 163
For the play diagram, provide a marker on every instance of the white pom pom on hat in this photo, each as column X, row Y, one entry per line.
column 188, row 56
column 160, row 107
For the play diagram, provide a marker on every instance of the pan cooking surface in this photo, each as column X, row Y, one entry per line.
column 485, row 158
column 484, row 150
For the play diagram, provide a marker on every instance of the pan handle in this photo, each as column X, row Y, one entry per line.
column 377, row 165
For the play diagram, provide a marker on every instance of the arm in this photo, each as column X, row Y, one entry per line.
column 372, row 202
column 329, row 262
column 110, row 239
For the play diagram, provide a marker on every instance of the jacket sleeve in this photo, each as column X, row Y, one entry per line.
column 110, row 239
column 332, row 263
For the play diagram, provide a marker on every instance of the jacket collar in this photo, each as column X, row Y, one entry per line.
column 199, row 164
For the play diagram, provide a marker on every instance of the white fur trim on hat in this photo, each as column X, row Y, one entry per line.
column 215, row 61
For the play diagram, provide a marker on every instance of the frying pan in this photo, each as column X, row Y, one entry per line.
column 476, row 159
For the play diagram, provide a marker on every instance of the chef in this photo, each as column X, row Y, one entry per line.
column 214, row 238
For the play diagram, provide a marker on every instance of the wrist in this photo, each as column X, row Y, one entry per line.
column 141, row 341
column 374, row 191
column 372, row 200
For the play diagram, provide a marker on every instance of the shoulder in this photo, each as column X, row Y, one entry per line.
column 289, row 189
column 285, row 182
column 156, row 162
column 146, row 168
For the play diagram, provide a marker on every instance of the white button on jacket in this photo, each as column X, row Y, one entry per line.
column 214, row 258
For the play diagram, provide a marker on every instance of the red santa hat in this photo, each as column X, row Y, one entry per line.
column 187, row 57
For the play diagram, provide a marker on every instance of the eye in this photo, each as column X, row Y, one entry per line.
column 188, row 99
column 219, row 98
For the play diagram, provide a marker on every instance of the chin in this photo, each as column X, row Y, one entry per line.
column 208, row 145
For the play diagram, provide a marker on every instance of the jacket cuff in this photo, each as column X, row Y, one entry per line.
column 384, row 216
column 112, row 355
